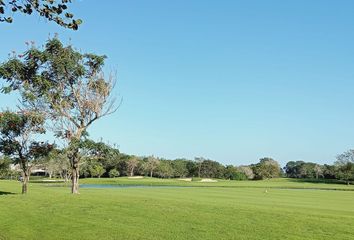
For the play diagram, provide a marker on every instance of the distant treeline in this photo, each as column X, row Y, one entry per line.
column 102, row 160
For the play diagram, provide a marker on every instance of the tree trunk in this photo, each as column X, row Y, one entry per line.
column 132, row 172
column 151, row 173
column 75, row 179
column 199, row 168
column 25, row 180
column 75, row 172
column 26, row 171
column 74, row 157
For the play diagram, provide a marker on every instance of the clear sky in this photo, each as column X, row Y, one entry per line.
column 230, row 80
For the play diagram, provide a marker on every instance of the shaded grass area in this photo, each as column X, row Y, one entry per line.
column 176, row 213
column 6, row 193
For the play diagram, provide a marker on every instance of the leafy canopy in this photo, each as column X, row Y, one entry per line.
column 16, row 135
column 61, row 82
column 52, row 10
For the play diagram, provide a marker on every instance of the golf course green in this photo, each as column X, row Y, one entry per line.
column 269, row 209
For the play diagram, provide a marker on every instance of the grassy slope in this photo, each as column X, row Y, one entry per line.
column 177, row 213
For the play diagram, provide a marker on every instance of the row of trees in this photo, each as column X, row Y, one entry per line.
column 342, row 169
column 118, row 164
column 102, row 160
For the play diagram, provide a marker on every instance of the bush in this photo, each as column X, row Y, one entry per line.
column 113, row 173
column 239, row 176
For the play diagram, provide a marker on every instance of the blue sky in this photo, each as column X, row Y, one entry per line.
column 233, row 81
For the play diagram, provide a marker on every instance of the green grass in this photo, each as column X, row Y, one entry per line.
column 223, row 210
column 272, row 183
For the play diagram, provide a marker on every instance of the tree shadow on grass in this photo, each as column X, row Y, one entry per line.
column 6, row 193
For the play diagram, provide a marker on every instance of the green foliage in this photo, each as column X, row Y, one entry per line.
column 52, row 10
column 113, row 173
column 179, row 167
column 192, row 168
column 67, row 87
column 16, row 130
column 345, row 166
column 233, row 173
column 164, row 169
column 211, row 169
column 59, row 81
column 151, row 165
column 4, row 167
column 266, row 168
column 96, row 170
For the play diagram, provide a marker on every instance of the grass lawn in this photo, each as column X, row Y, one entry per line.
column 223, row 210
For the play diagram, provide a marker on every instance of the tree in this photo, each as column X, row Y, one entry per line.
column 51, row 166
column 266, row 168
column 180, row 167
column 293, row 169
column 211, row 169
column 151, row 164
column 164, row 169
column 113, row 173
column 67, row 86
column 96, row 170
column 51, row 10
column 301, row 169
column 329, row 171
column 192, row 168
column 199, row 161
column 57, row 163
column 234, row 173
column 345, row 166
column 247, row 171
column 132, row 164
column 17, row 134
column 318, row 169
column 108, row 156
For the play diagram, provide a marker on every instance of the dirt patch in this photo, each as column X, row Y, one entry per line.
column 185, row 179
column 136, row 177
column 208, row 180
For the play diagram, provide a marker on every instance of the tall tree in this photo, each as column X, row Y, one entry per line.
column 266, row 168
column 132, row 164
column 17, row 140
column 199, row 161
column 164, row 169
column 211, row 169
column 151, row 165
column 52, row 10
column 67, row 86
column 345, row 166
column 247, row 171
column 180, row 167
column 293, row 169
column 318, row 169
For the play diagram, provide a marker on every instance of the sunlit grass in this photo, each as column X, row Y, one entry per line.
column 238, row 210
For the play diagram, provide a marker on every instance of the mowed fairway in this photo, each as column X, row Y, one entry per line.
column 176, row 213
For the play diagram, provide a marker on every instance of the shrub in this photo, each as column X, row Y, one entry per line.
column 113, row 173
